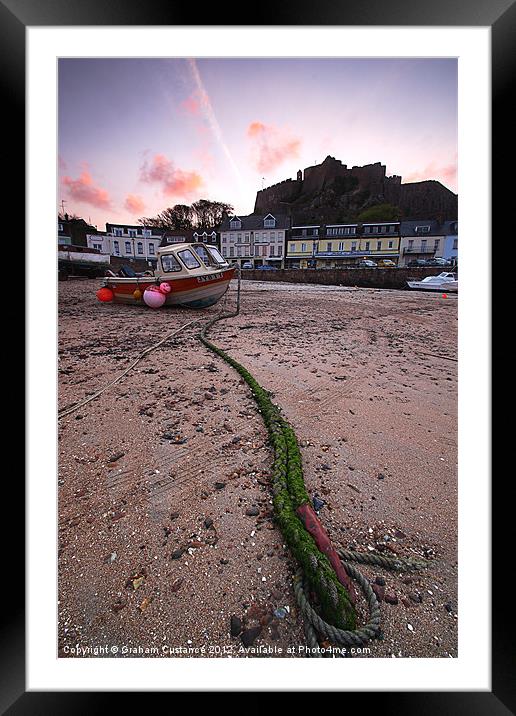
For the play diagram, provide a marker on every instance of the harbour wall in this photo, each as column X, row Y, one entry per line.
column 364, row 278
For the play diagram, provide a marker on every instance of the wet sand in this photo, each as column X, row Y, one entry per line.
column 156, row 551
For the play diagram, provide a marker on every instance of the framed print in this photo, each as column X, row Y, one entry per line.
column 254, row 387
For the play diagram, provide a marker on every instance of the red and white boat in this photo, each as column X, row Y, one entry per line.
column 191, row 275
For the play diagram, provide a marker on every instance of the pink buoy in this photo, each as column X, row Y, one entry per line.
column 165, row 287
column 153, row 297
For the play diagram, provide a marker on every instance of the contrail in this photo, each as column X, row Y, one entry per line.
column 212, row 120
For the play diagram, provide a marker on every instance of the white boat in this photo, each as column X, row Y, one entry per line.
column 443, row 282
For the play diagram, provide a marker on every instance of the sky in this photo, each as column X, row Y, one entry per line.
column 139, row 135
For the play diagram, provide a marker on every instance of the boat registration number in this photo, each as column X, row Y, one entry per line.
column 205, row 279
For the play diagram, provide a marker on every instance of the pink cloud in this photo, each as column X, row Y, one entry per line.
column 271, row 146
column 447, row 174
column 84, row 190
column 191, row 105
column 173, row 181
column 134, row 204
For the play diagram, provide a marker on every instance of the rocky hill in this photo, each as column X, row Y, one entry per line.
column 331, row 193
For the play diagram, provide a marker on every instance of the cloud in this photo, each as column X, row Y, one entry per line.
column 447, row 173
column 173, row 181
column 191, row 105
column 84, row 190
column 271, row 146
column 134, row 204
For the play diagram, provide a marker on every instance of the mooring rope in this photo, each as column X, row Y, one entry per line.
column 76, row 406
column 337, row 620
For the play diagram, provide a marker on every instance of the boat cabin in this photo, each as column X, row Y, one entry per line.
column 188, row 260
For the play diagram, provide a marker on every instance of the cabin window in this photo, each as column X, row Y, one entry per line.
column 169, row 263
column 188, row 259
column 216, row 255
column 203, row 254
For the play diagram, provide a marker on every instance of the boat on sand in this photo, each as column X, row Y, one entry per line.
column 192, row 275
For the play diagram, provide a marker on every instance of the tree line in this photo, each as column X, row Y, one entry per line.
column 202, row 214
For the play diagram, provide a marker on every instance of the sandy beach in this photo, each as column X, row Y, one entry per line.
column 166, row 535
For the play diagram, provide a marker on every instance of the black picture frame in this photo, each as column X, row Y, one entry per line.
column 500, row 15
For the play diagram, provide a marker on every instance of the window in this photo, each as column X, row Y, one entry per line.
column 116, row 248
column 455, row 244
column 169, row 263
column 151, row 249
column 272, row 251
column 280, row 250
column 239, row 238
column 280, row 235
column 214, row 253
column 303, row 247
column 423, row 244
column 127, row 247
column 224, row 251
column 375, row 229
column 132, row 233
column 256, row 250
column 188, row 259
column 390, row 244
column 341, row 246
column 273, row 236
column 353, row 246
column 329, row 246
column 231, row 250
column 422, row 229
column 224, row 238
column 146, row 232
column 378, row 245
column 269, row 223
column 411, row 243
column 239, row 251
column 246, row 238
column 203, row 255
column 235, row 224
column 367, row 245
column 292, row 248
column 118, row 232
column 436, row 244
column 140, row 247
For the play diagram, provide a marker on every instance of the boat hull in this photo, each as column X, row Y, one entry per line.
column 190, row 291
column 447, row 287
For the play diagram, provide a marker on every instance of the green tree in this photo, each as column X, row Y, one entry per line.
column 380, row 212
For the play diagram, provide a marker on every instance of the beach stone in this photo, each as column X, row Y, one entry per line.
column 208, row 522
column 235, row 625
column 250, row 635
column 177, row 554
column 379, row 591
column 415, row 597
column 220, row 485
column 252, row 511
column 390, row 598
column 380, row 581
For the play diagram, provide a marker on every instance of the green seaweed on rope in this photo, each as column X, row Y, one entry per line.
column 289, row 492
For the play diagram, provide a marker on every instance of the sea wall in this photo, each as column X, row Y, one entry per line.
column 365, row 278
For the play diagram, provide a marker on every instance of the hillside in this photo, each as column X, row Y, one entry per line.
column 331, row 193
